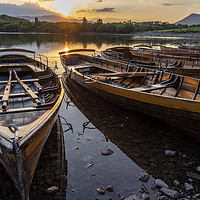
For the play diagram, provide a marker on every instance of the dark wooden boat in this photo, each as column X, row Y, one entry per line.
column 123, row 54
column 172, row 98
column 31, row 95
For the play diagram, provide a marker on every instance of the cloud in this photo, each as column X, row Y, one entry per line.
column 105, row 10
column 96, row 10
column 170, row 4
column 26, row 9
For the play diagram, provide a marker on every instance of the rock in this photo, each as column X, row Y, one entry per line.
column 101, row 190
column 107, row 152
column 57, row 172
column 90, row 164
column 196, row 196
column 176, row 183
column 184, row 156
column 169, row 192
column 198, row 168
column 144, row 177
column 193, row 175
column 52, row 190
column 132, row 197
column 110, row 188
column 76, row 148
column 188, row 186
column 145, row 196
column 170, row 153
column 160, row 183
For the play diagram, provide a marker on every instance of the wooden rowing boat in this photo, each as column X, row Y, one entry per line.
column 172, row 98
column 31, row 95
column 123, row 54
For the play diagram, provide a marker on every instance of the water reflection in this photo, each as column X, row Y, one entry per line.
column 142, row 139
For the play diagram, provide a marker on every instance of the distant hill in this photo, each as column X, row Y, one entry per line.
column 190, row 20
column 7, row 18
column 51, row 18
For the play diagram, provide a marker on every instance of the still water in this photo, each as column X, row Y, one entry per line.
column 90, row 124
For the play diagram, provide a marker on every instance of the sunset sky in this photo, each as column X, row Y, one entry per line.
column 119, row 10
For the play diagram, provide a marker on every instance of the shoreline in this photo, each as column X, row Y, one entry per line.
column 142, row 34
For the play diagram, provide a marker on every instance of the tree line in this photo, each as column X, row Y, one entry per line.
column 13, row 24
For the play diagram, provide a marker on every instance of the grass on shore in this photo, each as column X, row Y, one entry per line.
column 183, row 30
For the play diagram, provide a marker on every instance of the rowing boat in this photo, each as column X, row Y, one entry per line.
column 31, row 95
column 173, row 98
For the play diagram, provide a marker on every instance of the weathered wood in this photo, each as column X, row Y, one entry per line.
column 32, row 95
column 6, row 94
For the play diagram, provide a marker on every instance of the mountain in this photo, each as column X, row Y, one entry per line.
column 51, row 18
column 190, row 20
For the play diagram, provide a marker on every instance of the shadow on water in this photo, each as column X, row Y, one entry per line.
column 141, row 138
column 51, row 171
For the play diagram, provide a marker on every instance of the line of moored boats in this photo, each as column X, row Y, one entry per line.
column 158, row 81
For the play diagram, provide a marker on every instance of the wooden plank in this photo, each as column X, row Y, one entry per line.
column 6, row 94
column 31, row 94
column 25, row 81
column 123, row 74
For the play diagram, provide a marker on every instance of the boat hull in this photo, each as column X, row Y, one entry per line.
column 30, row 150
column 176, row 117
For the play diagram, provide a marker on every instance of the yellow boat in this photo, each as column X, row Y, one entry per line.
column 172, row 98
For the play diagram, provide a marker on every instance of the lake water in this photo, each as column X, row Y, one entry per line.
column 91, row 124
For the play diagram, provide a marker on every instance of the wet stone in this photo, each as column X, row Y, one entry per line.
column 52, row 190
column 101, row 190
column 188, row 186
column 176, row 183
column 170, row 153
column 196, row 196
column 132, row 197
column 144, row 177
column 160, row 183
column 110, row 188
column 107, row 152
column 198, row 168
column 145, row 197
column 169, row 192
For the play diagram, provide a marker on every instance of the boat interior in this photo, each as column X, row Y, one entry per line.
column 27, row 89
column 137, row 79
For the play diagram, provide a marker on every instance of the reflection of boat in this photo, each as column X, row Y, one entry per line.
column 31, row 95
column 51, row 173
column 145, row 143
column 170, row 97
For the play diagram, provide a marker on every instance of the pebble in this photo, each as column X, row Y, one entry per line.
column 76, row 148
column 110, row 188
column 169, row 192
column 132, row 197
column 170, row 153
column 160, row 183
column 188, row 186
column 176, row 183
column 107, row 152
column 196, row 196
column 198, row 168
column 101, row 190
column 144, row 177
column 90, row 164
column 52, row 190
column 145, row 196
